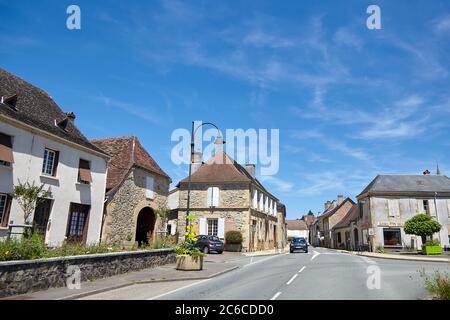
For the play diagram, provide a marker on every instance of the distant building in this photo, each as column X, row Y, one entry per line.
column 297, row 228
column 389, row 200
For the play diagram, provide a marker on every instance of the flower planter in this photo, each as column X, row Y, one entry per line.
column 189, row 263
column 233, row 247
column 432, row 250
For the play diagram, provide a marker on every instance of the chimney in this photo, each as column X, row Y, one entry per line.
column 71, row 116
column 426, row 172
column 326, row 205
column 251, row 170
column 340, row 199
column 196, row 161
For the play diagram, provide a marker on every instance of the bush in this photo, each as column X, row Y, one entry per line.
column 233, row 237
column 432, row 243
column 24, row 248
column 438, row 285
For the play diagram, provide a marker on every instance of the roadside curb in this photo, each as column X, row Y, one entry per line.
column 97, row 291
column 393, row 257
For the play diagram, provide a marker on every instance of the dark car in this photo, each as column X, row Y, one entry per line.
column 298, row 244
column 209, row 243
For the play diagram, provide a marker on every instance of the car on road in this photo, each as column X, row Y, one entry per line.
column 298, row 244
column 208, row 244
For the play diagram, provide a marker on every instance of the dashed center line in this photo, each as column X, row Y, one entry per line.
column 276, row 296
column 292, row 279
column 303, row 268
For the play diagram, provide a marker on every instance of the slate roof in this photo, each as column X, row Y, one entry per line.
column 351, row 215
column 36, row 108
column 126, row 152
column 296, row 225
column 408, row 183
column 221, row 168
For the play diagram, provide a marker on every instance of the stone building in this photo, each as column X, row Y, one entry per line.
column 346, row 233
column 136, row 187
column 389, row 200
column 297, row 229
column 228, row 197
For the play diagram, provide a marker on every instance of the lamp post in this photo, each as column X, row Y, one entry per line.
column 219, row 140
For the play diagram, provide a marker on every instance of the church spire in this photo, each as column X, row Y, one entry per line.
column 438, row 171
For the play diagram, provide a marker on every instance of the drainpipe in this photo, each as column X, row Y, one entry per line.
column 437, row 214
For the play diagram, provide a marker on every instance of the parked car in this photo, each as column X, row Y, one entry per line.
column 209, row 243
column 298, row 244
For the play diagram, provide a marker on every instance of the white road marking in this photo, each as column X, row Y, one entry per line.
column 303, row 268
column 179, row 289
column 368, row 260
column 251, row 263
column 276, row 296
column 315, row 255
column 292, row 279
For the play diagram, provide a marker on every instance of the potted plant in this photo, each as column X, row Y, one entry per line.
column 189, row 258
column 424, row 226
column 129, row 243
column 233, row 241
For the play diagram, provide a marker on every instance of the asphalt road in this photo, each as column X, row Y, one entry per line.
column 320, row 274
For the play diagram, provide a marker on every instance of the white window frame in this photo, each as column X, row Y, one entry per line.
column 213, row 227
column 45, row 163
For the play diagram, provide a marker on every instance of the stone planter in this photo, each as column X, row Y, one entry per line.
column 432, row 250
column 233, row 247
column 128, row 245
column 189, row 263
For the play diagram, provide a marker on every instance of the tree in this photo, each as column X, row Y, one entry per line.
column 28, row 196
column 422, row 225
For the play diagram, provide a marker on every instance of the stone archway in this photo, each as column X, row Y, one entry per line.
column 145, row 225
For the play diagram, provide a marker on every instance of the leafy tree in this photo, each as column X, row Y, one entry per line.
column 28, row 196
column 422, row 225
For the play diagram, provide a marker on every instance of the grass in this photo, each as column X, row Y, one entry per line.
column 438, row 284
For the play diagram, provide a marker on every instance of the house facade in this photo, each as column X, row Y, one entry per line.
column 297, row 229
column 136, row 188
column 389, row 200
column 227, row 197
column 41, row 144
column 345, row 233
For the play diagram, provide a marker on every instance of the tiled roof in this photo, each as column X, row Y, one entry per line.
column 329, row 213
column 351, row 215
column 408, row 183
column 296, row 225
column 126, row 152
column 34, row 107
column 221, row 168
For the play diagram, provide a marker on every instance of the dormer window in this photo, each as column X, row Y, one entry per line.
column 10, row 101
column 62, row 124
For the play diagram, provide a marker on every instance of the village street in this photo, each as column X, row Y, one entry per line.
column 320, row 274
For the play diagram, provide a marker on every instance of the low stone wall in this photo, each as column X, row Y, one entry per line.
column 19, row 277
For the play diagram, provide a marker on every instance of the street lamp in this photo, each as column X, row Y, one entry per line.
column 219, row 141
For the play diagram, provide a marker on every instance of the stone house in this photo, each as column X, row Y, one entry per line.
column 332, row 216
column 389, row 200
column 136, row 188
column 346, row 233
column 297, row 228
column 228, row 197
column 41, row 144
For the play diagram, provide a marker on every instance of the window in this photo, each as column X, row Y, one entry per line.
column 392, row 237
column 261, row 202
column 213, row 227
column 42, row 215
column 149, row 185
column 213, row 197
column 339, row 239
column 84, row 172
column 394, row 207
column 5, row 204
column 426, row 206
column 50, row 162
column 255, row 199
column 6, row 151
column 77, row 224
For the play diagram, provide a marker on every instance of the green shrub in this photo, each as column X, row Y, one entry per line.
column 233, row 237
column 432, row 243
column 25, row 248
column 422, row 225
column 438, row 285
column 188, row 249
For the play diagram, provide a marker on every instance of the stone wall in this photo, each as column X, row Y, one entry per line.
column 20, row 277
column 126, row 203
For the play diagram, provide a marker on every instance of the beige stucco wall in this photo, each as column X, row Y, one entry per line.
column 124, row 207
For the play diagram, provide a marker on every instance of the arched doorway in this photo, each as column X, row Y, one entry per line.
column 145, row 225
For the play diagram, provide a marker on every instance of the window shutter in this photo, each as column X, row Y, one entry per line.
column 261, row 202
column 210, row 196
column 202, row 226
column 84, row 171
column 149, row 187
column 255, row 199
column 394, row 209
column 8, row 203
column 221, row 228
column 55, row 165
column 6, row 149
column 215, row 197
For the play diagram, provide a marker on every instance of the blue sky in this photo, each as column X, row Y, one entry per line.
column 350, row 102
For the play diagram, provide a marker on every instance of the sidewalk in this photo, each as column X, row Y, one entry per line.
column 158, row 274
column 398, row 256
column 266, row 252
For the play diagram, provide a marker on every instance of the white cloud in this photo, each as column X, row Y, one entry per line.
column 280, row 184
column 345, row 37
column 442, row 25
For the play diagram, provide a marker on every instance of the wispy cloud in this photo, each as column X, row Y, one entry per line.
column 346, row 37
column 280, row 184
